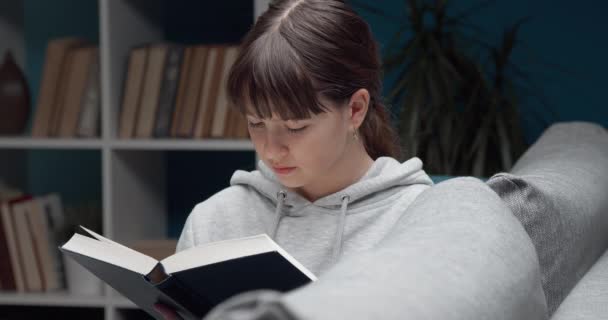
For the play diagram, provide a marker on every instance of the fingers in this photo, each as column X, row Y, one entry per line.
column 166, row 312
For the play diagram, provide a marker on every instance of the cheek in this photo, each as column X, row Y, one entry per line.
column 319, row 150
column 257, row 138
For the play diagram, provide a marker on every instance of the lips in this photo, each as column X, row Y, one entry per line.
column 283, row 170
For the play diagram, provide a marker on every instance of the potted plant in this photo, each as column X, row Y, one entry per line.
column 458, row 97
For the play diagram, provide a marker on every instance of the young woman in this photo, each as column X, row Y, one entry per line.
column 308, row 79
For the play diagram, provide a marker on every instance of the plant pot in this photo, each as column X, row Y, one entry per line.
column 79, row 280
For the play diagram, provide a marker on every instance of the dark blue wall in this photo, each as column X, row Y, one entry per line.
column 76, row 175
column 563, row 47
column 564, row 33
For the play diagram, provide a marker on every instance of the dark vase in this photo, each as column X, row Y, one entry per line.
column 14, row 98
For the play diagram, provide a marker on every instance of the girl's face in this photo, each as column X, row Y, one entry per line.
column 303, row 153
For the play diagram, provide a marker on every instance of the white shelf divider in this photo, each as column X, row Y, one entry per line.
column 49, row 143
column 61, row 298
column 183, row 144
column 133, row 171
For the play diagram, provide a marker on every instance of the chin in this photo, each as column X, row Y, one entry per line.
column 290, row 183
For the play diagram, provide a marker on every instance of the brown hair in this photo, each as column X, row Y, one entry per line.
column 300, row 49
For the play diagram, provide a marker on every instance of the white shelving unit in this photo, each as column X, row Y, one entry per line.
column 132, row 171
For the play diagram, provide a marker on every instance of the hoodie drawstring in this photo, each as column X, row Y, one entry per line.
column 278, row 213
column 340, row 230
column 337, row 248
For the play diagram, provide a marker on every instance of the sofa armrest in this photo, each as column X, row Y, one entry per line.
column 557, row 189
column 589, row 298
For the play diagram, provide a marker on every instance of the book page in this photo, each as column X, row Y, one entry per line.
column 110, row 253
column 226, row 250
column 216, row 252
column 114, row 244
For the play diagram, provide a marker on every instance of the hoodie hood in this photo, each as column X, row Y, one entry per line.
column 385, row 174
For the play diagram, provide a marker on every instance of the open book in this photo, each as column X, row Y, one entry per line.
column 191, row 281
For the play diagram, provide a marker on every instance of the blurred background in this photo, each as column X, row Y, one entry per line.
column 100, row 126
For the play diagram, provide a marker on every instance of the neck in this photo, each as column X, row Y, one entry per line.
column 346, row 171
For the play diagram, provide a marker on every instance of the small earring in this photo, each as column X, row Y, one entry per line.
column 355, row 136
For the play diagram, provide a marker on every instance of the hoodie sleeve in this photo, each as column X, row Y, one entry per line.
column 186, row 240
column 457, row 254
column 195, row 231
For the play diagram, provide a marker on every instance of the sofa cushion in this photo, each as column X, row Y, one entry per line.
column 557, row 189
column 589, row 298
column 456, row 253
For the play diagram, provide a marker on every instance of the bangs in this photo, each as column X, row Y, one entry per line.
column 269, row 77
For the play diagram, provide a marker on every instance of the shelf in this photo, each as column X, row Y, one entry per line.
column 133, row 144
column 133, row 179
column 48, row 143
column 64, row 299
column 183, row 144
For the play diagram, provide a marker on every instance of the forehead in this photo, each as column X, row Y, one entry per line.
column 276, row 117
column 331, row 109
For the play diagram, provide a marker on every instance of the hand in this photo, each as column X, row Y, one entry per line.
column 167, row 312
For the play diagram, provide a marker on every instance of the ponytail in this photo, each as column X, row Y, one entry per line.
column 379, row 137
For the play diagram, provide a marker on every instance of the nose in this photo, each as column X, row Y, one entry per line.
column 275, row 148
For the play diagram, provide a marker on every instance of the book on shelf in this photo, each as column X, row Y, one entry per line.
column 90, row 115
column 151, row 90
column 172, row 90
column 191, row 281
column 184, row 75
column 168, row 91
column 136, row 71
column 29, row 261
column 82, row 64
column 206, row 102
column 69, row 97
column 53, row 71
column 11, row 274
column 198, row 68
column 220, row 116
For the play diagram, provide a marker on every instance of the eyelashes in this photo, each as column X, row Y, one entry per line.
column 259, row 125
column 255, row 125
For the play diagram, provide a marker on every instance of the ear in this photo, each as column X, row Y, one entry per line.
column 357, row 107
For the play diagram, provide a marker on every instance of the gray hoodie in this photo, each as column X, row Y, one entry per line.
column 317, row 233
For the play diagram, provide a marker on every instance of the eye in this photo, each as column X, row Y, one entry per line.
column 296, row 130
column 255, row 125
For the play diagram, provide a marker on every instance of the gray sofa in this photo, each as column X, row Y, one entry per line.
column 527, row 244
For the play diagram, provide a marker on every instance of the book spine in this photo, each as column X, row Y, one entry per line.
column 33, row 281
column 133, row 87
column 190, row 301
column 12, row 242
column 77, row 81
column 148, row 106
column 88, row 124
column 37, row 248
column 186, row 124
column 182, row 90
column 48, row 94
column 7, row 276
column 168, row 92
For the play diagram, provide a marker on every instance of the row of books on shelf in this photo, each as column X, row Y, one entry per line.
column 69, row 99
column 31, row 231
column 29, row 259
column 169, row 90
column 179, row 91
